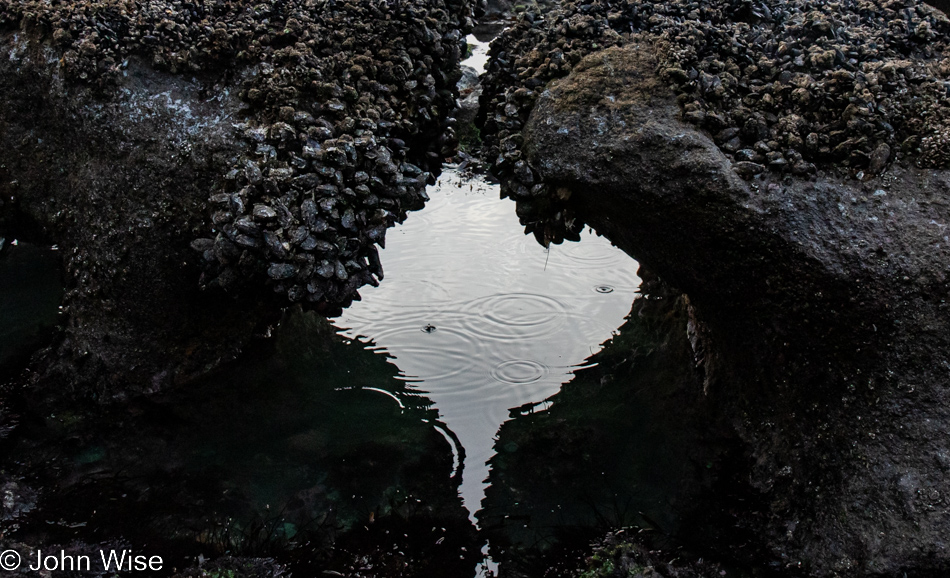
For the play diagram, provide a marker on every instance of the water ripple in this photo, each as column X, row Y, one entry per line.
column 430, row 356
column 596, row 256
column 519, row 371
column 514, row 316
column 482, row 318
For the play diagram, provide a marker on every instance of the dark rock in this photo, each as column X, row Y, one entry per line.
column 747, row 169
column 281, row 271
column 468, row 81
column 114, row 189
column 818, row 308
column 735, row 79
column 728, row 134
column 235, row 121
column 879, row 158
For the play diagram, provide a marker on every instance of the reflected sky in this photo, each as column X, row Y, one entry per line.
column 482, row 318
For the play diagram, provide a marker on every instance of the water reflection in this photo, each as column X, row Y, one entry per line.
column 30, row 293
column 356, row 456
column 307, row 449
column 336, row 453
column 619, row 446
column 484, row 319
column 479, row 57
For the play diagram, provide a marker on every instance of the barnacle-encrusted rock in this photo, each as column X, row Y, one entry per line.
column 818, row 314
column 340, row 94
column 263, row 143
column 787, row 86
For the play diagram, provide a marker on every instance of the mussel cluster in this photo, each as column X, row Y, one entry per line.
column 784, row 86
column 348, row 106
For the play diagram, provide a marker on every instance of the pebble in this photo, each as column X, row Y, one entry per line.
column 748, row 169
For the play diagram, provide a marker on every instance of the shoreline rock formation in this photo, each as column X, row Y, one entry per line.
column 784, row 87
column 263, row 149
column 819, row 312
column 817, row 297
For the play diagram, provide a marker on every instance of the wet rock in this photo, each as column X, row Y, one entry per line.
column 280, row 271
column 246, row 121
column 749, row 84
column 468, row 81
column 747, row 169
column 264, row 213
column 818, row 308
column 131, row 228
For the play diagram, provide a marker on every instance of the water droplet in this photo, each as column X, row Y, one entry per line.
column 604, row 289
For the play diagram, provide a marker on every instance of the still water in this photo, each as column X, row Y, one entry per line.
column 327, row 450
column 371, row 447
column 482, row 319
column 312, row 437
column 30, row 292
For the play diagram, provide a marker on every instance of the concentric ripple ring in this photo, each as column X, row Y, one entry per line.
column 519, row 371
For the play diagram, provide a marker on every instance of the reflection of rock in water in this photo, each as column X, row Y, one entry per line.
column 620, row 446
column 30, row 291
column 285, row 455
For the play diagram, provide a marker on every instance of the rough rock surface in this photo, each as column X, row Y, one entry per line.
column 782, row 86
column 336, row 95
column 819, row 311
column 261, row 148
column 121, row 186
column 492, row 9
